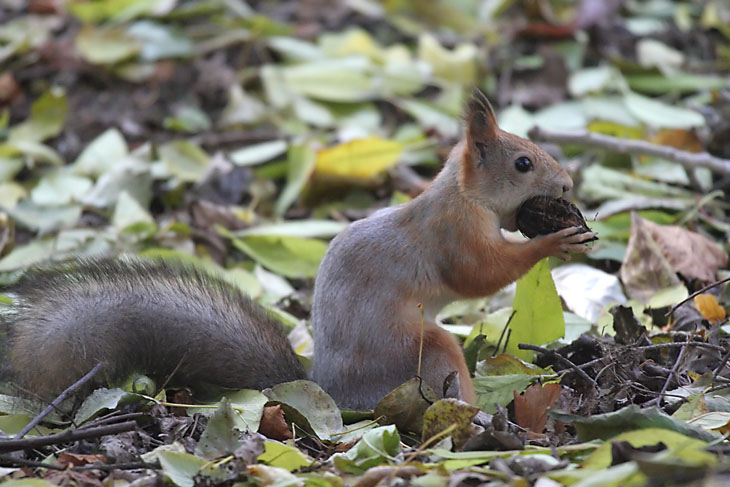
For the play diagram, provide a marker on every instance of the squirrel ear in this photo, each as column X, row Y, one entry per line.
column 481, row 127
column 480, row 118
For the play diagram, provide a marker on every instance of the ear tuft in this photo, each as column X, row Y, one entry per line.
column 480, row 118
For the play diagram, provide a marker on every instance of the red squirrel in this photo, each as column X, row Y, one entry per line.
column 167, row 319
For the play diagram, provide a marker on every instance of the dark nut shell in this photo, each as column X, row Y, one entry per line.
column 542, row 215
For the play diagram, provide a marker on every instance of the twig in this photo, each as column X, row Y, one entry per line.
column 721, row 366
column 691, row 296
column 501, row 335
column 70, row 389
column 10, row 461
column 690, row 160
column 66, row 436
column 681, row 344
column 174, row 371
column 565, row 361
column 114, row 418
column 673, row 373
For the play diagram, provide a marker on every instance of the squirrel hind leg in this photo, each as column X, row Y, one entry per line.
column 442, row 356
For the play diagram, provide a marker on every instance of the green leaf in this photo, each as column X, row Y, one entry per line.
column 310, row 401
column 339, row 80
column 300, row 165
column 657, row 114
column 458, row 65
column 676, row 83
column 47, row 118
column 247, row 405
column 258, row 153
column 106, row 45
column 128, row 211
column 184, row 160
column 605, row 426
column 289, row 256
column 221, row 435
column 498, row 390
column 538, row 312
column 101, row 400
column 101, row 154
column 297, row 228
column 278, row 454
column 683, row 449
column 60, row 188
column 375, row 447
column 181, row 468
column 159, row 41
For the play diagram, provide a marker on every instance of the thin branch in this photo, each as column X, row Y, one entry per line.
column 565, row 361
column 673, row 373
column 706, row 288
column 69, row 390
column 10, row 461
column 66, row 436
column 690, row 160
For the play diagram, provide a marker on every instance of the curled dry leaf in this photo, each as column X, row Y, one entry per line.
column 655, row 254
column 273, row 424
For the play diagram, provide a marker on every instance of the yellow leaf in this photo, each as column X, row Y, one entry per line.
column 708, row 306
column 359, row 160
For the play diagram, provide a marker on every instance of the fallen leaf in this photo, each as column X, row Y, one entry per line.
column 531, row 407
column 689, row 253
column 451, row 414
column 273, row 424
column 708, row 306
column 374, row 475
column 645, row 269
column 361, row 160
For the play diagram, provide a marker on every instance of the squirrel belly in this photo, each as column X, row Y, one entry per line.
column 147, row 316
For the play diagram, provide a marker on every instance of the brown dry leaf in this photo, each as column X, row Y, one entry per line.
column 77, row 459
column 645, row 270
column 531, row 407
column 376, row 474
column 689, row 253
column 708, row 306
column 679, row 138
column 273, row 424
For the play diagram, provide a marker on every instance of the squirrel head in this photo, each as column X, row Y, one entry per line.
column 500, row 170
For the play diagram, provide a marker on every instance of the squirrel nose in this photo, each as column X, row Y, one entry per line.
column 567, row 187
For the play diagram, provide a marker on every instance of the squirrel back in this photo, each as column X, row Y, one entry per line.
column 164, row 319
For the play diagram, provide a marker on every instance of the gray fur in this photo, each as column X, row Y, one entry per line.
column 145, row 316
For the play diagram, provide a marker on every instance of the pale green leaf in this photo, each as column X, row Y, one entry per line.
column 374, row 448
column 313, row 403
column 47, row 118
column 184, row 160
column 288, row 256
column 278, row 454
column 258, row 153
column 657, row 114
column 101, row 154
column 106, row 45
column 538, row 317
column 60, row 188
column 300, row 165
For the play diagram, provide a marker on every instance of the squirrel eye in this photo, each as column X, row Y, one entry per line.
column 523, row 164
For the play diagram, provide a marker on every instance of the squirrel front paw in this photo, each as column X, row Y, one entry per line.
column 564, row 242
